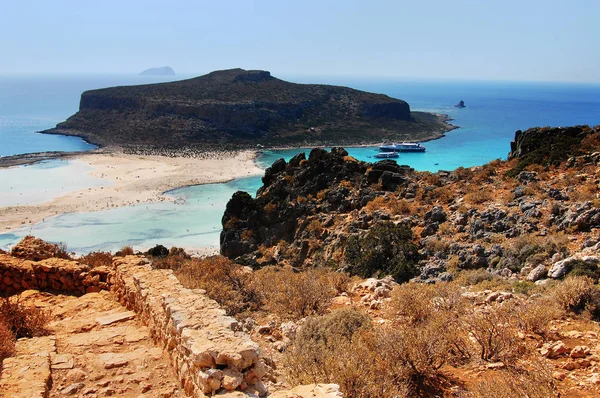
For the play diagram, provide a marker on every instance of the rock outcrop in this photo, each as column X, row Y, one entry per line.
column 461, row 104
column 296, row 193
column 240, row 108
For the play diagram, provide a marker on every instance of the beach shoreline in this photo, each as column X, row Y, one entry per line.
column 135, row 179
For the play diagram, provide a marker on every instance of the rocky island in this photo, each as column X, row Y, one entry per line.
column 161, row 71
column 243, row 108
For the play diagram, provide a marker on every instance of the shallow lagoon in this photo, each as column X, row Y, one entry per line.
column 40, row 182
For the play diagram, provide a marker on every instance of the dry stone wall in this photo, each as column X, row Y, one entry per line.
column 206, row 348
column 51, row 274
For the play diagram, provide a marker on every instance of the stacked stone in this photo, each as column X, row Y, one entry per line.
column 51, row 274
column 206, row 349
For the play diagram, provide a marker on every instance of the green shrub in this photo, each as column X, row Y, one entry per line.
column 581, row 268
column 386, row 249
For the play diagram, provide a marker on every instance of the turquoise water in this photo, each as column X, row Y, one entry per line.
column 52, row 178
column 34, row 103
column 193, row 220
column 494, row 112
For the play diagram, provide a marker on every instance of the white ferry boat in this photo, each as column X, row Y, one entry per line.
column 403, row 147
column 387, row 155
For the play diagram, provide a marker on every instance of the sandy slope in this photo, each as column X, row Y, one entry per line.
column 135, row 179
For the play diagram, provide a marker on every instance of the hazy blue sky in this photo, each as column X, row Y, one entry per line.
column 508, row 39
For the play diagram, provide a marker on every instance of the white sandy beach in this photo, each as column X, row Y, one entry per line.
column 134, row 179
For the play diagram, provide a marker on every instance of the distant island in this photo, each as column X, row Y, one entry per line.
column 461, row 104
column 232, row 109
column 161, row 71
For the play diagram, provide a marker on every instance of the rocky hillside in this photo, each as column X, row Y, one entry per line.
column 331, row 209
column 239, row 108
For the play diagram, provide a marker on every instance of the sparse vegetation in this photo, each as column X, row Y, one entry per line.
column 97, row 259
column 386, row 249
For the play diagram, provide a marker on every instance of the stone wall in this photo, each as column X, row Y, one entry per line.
column 206, row 348
column 51, row 274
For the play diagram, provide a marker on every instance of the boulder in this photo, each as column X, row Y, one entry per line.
column 537, row 273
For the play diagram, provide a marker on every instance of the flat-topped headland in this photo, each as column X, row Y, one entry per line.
column 236, row 109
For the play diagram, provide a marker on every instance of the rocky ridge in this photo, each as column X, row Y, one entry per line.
column 530, row 226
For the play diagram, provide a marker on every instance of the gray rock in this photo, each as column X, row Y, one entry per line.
column 560, row 268
column 436, row 214
column 537, row 273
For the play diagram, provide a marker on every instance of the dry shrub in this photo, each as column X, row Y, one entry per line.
column 436, row 245
column 227, row 283
column 585, row 191
column 315, row 226
column 480, row 279
column 577, row 294
column 343, row 348
column 492, row 329
column 97, row 259
column 294, row 295
column 23, row 320
column 125, row 251
column 393, row 206
column 532, row 379
column 416, row 302
column 270, row 208
column 7, row 342
column 443, row 194
column 479, row 196
column 62, row 251
column 535, row 315
column 428, row 325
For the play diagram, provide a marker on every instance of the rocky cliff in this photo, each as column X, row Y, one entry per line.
column 239, row 108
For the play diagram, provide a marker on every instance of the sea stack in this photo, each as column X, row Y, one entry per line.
column 461, row 104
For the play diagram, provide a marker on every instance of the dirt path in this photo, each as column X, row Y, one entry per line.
column 102, row 350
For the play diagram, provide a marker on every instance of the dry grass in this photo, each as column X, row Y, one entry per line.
column 293, row 295
column 225, row 282
column 23, row 320
column 578, row 294
column 479, row 196
column 7, row 342
column 18, row 320
column 343, row 348
column 535, row 315
column 493, row 331
column 97, row 259
column 125, row 251
column 532, row 380
column 415, row 303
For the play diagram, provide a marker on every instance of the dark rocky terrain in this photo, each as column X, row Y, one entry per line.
column 539, row 207
column 238, row 108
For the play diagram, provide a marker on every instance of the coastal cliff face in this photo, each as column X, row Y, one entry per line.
column 242, row 108
column 332, row 210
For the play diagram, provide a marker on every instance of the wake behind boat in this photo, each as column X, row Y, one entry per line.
column 403, row 147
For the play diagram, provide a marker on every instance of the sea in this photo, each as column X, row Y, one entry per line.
column 495, row 110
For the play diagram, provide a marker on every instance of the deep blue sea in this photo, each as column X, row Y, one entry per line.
column 495, row 110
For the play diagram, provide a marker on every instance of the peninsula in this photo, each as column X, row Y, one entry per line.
column 235, row 109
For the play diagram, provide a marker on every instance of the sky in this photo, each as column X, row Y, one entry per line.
column 535, row 40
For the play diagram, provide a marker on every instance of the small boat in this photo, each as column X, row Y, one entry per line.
column 403, row 147
column 387, row 155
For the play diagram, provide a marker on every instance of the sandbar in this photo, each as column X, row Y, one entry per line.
column 134, row 179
